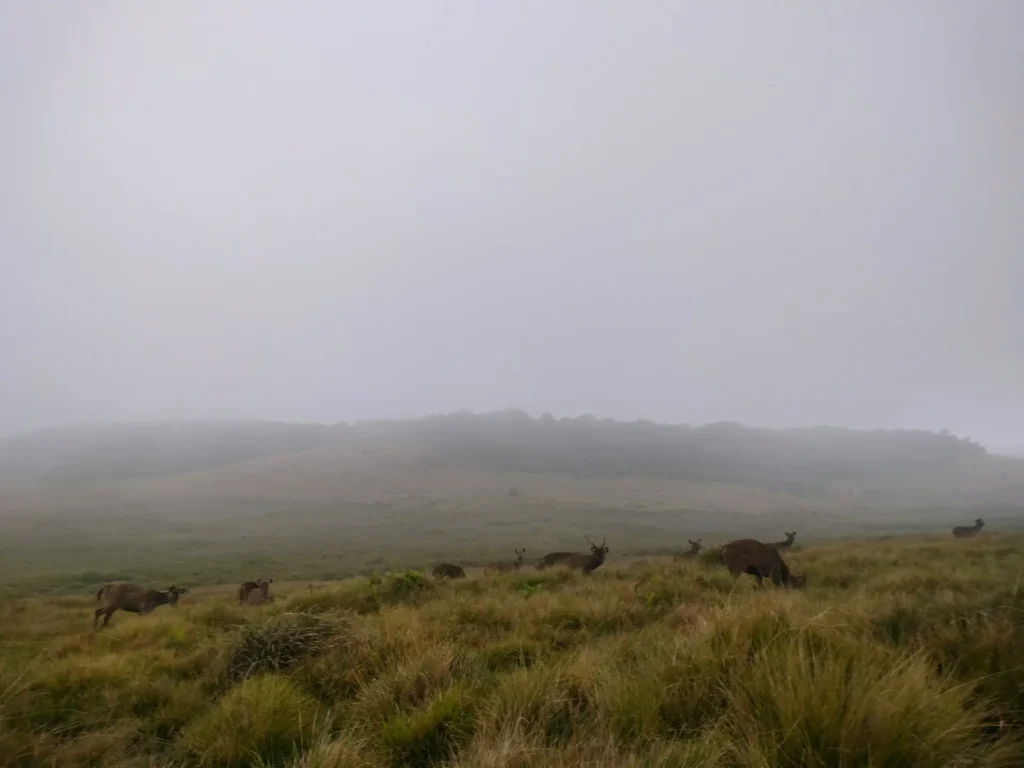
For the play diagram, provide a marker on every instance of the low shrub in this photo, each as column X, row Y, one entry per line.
column 278, row 643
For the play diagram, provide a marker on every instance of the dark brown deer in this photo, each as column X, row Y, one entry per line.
column 263, row 585
column 585, row 563
column 966, row 531
column 448, row 571
column 790, row 535
column 134, row 599
column 694, row 549
column 507, row 566
column 103, row 590
column 760, row 561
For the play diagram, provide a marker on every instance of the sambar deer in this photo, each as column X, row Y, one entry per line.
column 260, row 585
column 691, row 553
column 507, row 566
column 760, row 561
column 134, row 599
column 790, row 535
column 577, row 560
column 966, row 531
column 448, row 571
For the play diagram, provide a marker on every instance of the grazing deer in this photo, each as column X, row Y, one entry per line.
column 447, row 570
column 966, row 531
column 506, row 566
column 790, row 535
column 585, row 563
column 260, row 585
column 134, row 599
column 694, row 549
column 760, row 561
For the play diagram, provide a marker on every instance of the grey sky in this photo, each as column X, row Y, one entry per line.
column 782, row 214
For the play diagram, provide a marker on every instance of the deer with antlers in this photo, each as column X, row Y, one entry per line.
column 691, row 553
column 507, row 566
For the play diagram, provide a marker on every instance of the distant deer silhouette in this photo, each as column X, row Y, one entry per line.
column 760, row 561
column 448, row 571
column 966, row 531
column 577, row 560
column 132, row 598
column 506, row 566
column 694, row 549
column 263, row 586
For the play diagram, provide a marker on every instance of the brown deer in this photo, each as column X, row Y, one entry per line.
column 449, row 571
column 262, row 585
column 507, row 566
column 585, row 563
column 966, row 531
column 134, row 599
column 694, row 549
column 760, row 561
column 790, row 535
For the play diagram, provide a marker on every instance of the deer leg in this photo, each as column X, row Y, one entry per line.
column 756, row 574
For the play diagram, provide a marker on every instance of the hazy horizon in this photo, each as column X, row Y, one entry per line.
column 784, row 217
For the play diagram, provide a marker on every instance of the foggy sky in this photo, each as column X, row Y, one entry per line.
column 782, row 214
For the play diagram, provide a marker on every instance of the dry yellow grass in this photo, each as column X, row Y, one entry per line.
column 900, row 652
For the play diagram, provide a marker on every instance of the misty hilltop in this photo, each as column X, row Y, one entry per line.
column 333, row 500
column 253, row 458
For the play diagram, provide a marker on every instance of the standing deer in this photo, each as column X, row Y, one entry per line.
column 263, row 585
column 760, row 561
column 966, row 531
column 694, row 549
column 134, row 599
column 790, row 535
column 506, row 566
column 585, row 563
column 447, row 570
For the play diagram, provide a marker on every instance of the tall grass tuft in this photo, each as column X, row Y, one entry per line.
column 278, row 643
column 263, row 718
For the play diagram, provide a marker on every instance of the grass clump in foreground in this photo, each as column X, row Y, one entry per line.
column 278, row 643
column 900, row 652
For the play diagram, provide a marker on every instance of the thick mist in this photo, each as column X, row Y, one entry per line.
column 781, row 215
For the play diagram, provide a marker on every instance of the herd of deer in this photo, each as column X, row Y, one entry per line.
column 760, row 560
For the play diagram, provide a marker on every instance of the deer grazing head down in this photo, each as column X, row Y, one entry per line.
column 448, row 571
column 760, row 561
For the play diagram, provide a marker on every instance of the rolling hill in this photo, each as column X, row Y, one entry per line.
column 341, row 498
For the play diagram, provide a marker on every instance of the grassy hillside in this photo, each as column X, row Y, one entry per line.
column 806, row 463
column 900, row 652
column 194, row 502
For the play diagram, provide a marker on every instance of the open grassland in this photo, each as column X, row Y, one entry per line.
column 901, row 652
column 62, row 551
